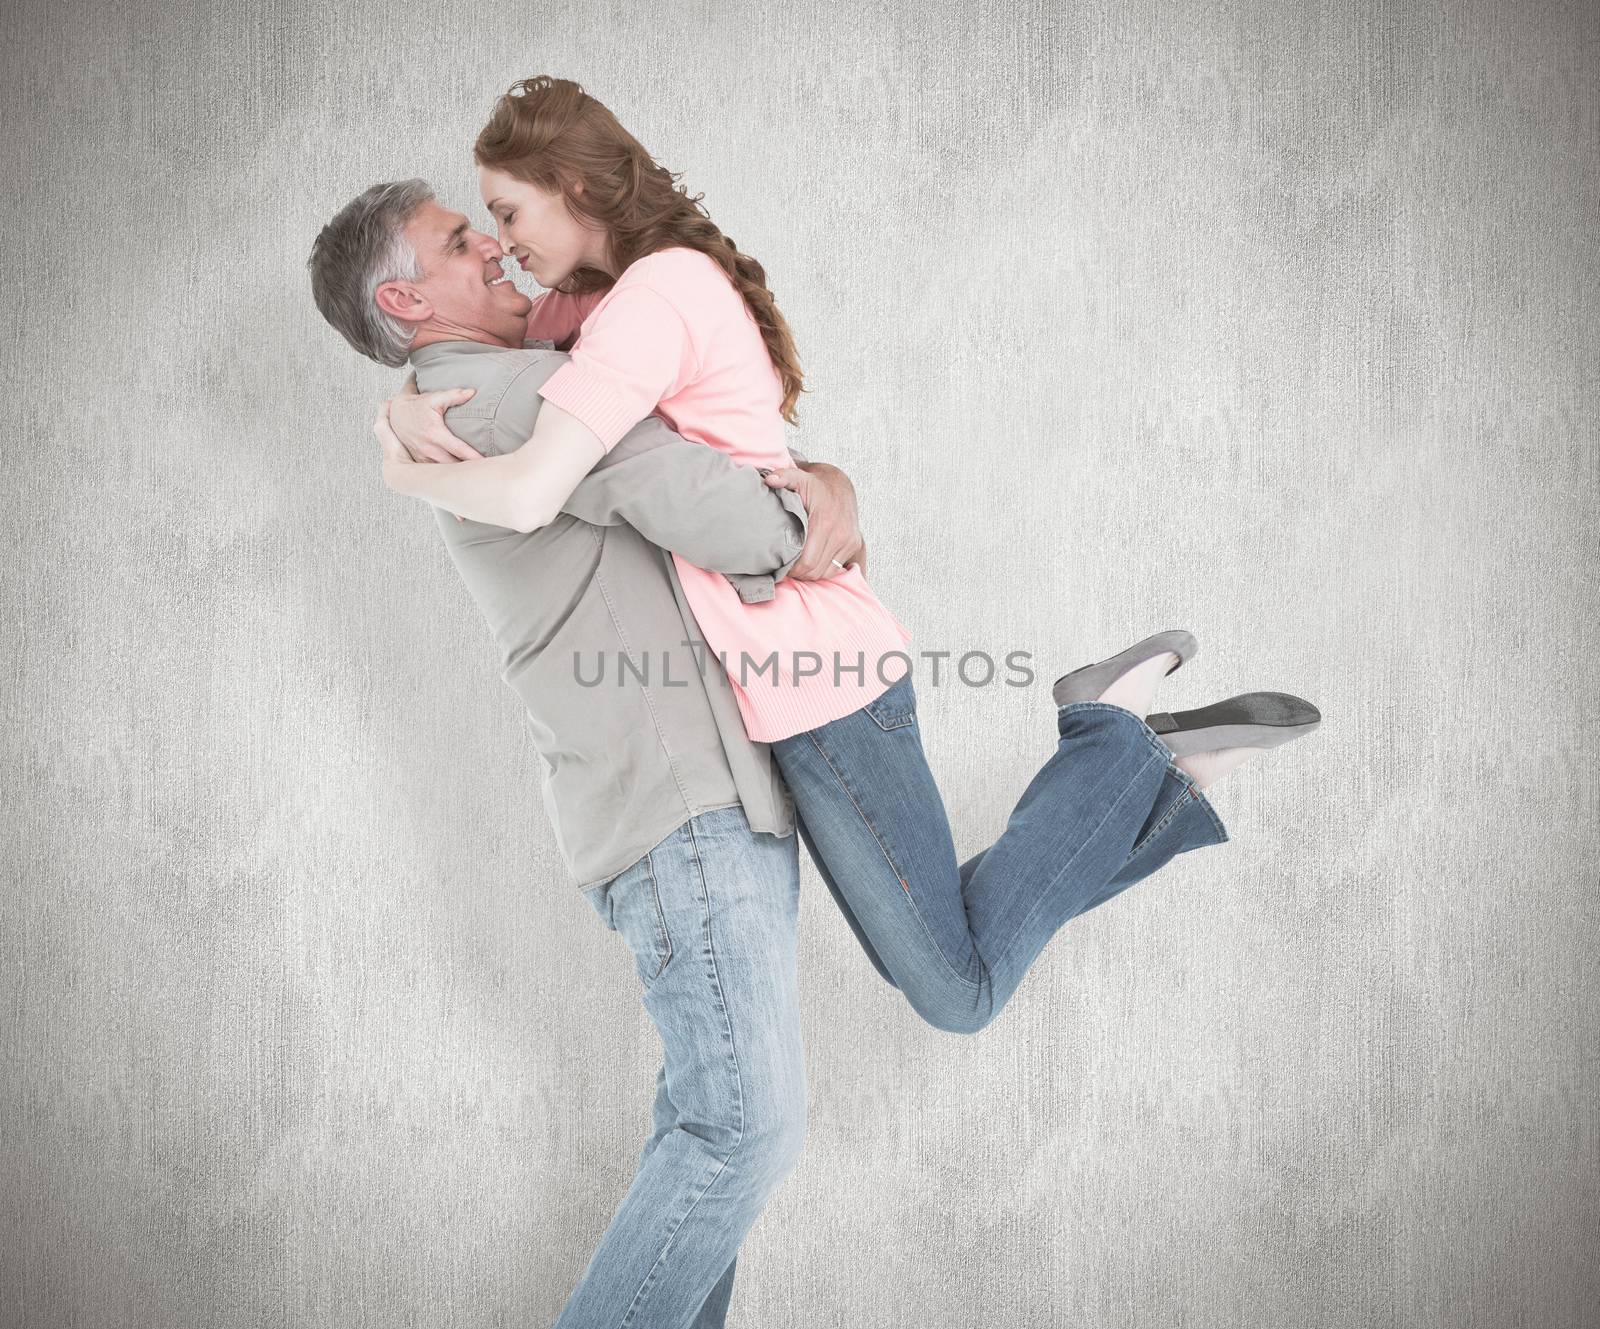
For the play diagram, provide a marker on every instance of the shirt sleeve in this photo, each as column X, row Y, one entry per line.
column 556, row 317
column 635, row 351
column 693, row 501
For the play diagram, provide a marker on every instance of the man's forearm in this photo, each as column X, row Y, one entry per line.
column 692, row 500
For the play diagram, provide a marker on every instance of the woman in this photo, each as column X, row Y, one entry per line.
column 670, row 318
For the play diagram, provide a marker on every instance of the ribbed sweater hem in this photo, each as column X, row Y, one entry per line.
column 782, row 709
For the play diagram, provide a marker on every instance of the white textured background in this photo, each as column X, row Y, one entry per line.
column 1273, row 322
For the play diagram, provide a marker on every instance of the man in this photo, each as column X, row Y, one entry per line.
column 677, row 827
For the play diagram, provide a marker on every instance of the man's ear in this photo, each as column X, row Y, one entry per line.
column 403, row 301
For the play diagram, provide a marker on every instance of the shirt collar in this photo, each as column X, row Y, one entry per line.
column 435, row 351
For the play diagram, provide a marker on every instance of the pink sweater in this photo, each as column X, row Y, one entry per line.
column 673, row 337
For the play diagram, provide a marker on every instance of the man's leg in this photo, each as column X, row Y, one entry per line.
column 713, row 1313
column 710, row 917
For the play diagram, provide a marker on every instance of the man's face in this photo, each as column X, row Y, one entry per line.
column 463, row 286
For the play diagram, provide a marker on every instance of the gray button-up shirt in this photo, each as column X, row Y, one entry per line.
column 594, row 595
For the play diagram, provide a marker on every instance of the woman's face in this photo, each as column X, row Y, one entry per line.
column 536, row 229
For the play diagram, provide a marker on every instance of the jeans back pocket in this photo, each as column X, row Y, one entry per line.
column 896, row 707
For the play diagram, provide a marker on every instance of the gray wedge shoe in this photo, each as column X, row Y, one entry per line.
column 1088, row 683
column 1250, row 720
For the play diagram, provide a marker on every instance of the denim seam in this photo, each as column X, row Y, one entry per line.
column 738, row 1081
column 1066, row 867
column 1193, row 791
column 689, row 813
column 860, row 811
column 1166, row 819
column 662, row 933
column 957, row 975
column 1150, row 735
column 1205, row 806
column 906, row 714
column 1162, row 750
column 899, row 719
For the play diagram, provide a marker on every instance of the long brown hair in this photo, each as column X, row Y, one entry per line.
column 552, row 134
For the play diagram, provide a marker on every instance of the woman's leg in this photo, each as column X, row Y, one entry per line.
column 1182, row 819
column 821, row 865
column 710, row 917
column 1105, row 805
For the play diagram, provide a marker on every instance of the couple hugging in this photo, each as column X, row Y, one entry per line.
column 607, row 466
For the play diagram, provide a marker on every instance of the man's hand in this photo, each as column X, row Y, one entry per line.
column 833, row 540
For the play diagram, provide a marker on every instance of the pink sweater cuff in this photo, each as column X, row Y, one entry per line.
column 593, row 400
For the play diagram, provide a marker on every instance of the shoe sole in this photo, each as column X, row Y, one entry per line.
column 1250, row 720
column 1090, row 682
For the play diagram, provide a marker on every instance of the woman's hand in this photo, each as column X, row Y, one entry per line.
column 417, row 420
column 394, row 451
column 833, row 540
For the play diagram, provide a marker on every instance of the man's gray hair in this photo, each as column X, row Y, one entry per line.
column 360, row 249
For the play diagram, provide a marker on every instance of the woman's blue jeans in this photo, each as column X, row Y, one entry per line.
column 1108, row 809
column 710, row 916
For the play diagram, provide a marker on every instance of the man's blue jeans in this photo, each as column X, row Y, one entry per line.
column 1108, row 809
column 710, row 916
